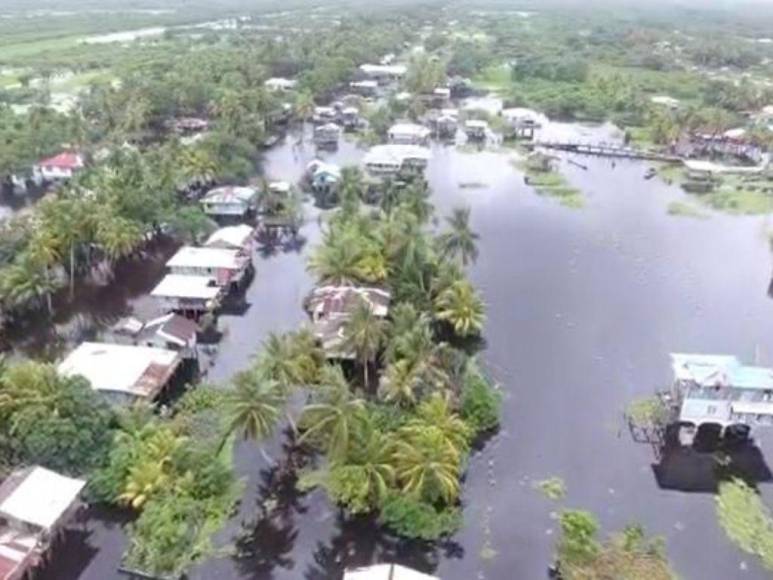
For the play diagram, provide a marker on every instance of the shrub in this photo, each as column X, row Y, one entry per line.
column 481, row 402
column 413, row 518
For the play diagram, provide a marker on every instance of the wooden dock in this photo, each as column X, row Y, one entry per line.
column 605, row 150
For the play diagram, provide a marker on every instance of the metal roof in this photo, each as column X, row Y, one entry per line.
column 183, row 286
column 141, row 371
column 190, row 257
column 40, row 498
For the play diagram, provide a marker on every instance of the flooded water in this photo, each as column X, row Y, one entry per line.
column 584, row 307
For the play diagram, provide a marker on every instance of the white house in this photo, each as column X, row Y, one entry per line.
column 327, row 134
column 279, row 84
column 720, row 389
column 230, row 201
column 367, row 88
column 187, row 294
column 383, row 72
column 386, row 160
column 35, row 503
column 239, row 238
column 223, row 265
column 665, row 101
column 386, row 572
column 59, row 168
column 324, row 115
column 476, row 129
column 123, row 373
column 408, row 134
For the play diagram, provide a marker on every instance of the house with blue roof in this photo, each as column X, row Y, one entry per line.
column 720, row 389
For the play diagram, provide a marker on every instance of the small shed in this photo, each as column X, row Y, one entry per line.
column 60, row 167
column 329, row 301
column 171, row 331
column 279, row 84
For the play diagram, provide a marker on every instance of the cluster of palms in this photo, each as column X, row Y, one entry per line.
column 395, row 428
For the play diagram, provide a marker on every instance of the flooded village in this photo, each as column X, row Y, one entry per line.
column 408, row 325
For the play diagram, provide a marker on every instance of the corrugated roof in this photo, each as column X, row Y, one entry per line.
column 190, row 257
column 40, row 498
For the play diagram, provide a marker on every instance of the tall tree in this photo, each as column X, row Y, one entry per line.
column 364, row 334
column 460, row 242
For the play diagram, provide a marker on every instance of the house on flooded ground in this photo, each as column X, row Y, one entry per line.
column 408, row 134
column 123, row 373
column 240, row 238
column 350, row 118
column 226, row 267
column 191, row 296
column 323, row 115
column 327, row 135
column 62, row 167
column 329, row 308
column 521, row 123
column 366, row 88
column 391, row 160
column 323, row 178
column 476, row 129
column 35, row 505
column 279, row 84
column 230, row 201
column 383, row 73
column 187, row 126
column 720, row 390
column 386, row 572
column 171, row 331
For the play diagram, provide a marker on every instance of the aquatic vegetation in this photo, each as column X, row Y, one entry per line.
column 552, row 488
column 628, row 555
column 648, row 411
column 550, row 183
column 679, row 208
column 747, row 521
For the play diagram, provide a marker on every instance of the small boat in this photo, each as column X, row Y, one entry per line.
column 651, row 172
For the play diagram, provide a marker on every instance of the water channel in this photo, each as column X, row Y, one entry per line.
column 584, row 307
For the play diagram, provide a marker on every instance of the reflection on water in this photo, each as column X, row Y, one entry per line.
column 584, row 307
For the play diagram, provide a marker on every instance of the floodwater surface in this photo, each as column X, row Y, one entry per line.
column 584, row 306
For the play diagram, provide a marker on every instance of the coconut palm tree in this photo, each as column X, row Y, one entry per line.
column 145, row 479
column 253, row 406
column 26, row 282
column 118, row 237
column 292, row 359
column 364, row 334
column 304, row 105
column 341, row 260
column 415, row 197
column 427, row 466
column 367, row 471
column 462, row 308
column 400, row 383
column 333, row 419
column 350, row 190
column 460, row 242
column 436, row 413
column 197, row 165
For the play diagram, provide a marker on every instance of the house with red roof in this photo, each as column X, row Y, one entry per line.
column 60, row 167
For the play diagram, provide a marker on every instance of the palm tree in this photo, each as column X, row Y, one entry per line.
column 339, row 260
column 291, row 359
column 400, row 383
column 336, row 416
column 436, row 413
column 26, row 282
column 253, row 406
column 351, row 190
column 44, row 250
column 369, row 464
column 364, row 334
column 427, row 466
column 415, row 197
column 118, row 237
column 460, row 241
column 197, row 166
column 461, row 306
column 145, row 479
column 304, row 105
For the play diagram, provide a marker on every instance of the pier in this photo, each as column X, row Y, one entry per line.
column 605, row 150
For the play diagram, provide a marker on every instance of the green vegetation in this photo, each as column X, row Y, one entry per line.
column 550, row 183
column 648, row 411
column 747, row 521
column 552, row 488
column 628, row 555
column 402, row 462
column 679, row 208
